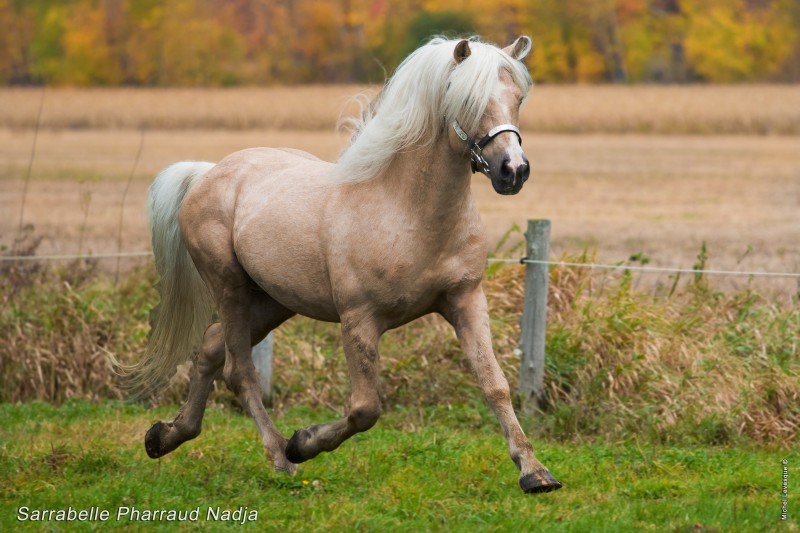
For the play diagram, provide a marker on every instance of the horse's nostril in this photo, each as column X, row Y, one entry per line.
column 523, row 171
column 507, row 171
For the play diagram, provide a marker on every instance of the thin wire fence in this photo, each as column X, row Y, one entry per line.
column 654, row 270
column 521, row 261
column 73, row 257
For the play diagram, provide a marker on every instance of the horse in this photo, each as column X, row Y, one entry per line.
column 388, row 233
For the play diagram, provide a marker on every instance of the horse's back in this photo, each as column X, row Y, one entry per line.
column 300, row 153
column 266, row 163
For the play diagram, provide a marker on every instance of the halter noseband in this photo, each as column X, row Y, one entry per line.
column 477, row 160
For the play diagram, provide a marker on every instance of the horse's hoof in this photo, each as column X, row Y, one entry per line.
column 154, row 442
column 539, row 481
column 285, row 467
column 293, row 452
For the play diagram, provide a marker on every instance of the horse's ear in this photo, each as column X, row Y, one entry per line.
column 462, row 51
column 519, row 48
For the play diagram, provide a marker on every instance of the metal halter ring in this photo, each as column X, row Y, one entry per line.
column 477, row 160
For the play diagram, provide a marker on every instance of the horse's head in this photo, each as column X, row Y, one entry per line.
column 495, row 147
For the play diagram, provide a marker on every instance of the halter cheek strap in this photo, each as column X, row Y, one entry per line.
column 477, row 160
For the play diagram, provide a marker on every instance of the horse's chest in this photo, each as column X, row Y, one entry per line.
column 403, row 288
column 413, row 268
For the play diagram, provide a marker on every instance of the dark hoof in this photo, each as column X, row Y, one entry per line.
column 538, row 481
column 154, row 441
column 293, row 452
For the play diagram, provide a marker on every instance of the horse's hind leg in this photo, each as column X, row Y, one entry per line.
column 469, row 316
column 360, row 339
column 163, row 437
column 239, row 371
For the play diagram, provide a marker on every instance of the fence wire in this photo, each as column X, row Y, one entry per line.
column 73, row 257
column 522, row 261
column 647, row 269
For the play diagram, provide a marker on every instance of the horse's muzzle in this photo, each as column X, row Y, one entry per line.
column 509, row 178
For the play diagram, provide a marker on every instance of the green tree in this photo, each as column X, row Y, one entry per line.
column 46, row 49
column 88, row 57
column 564, row 47
column 9, row 46
column 653, row 35
column 196, row 48
column 141, row 50
column 220, row 42
column 738, row 40
column 427, row 24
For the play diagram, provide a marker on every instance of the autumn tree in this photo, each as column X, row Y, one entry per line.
column 227, row 42
column 738, row 40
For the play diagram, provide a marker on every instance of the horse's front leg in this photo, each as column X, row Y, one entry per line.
column 468, row 313
column 360, row 339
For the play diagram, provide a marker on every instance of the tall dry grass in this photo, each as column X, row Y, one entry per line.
column 694, row 365
column 670, row 109
column 293, row 108
column 713, row 109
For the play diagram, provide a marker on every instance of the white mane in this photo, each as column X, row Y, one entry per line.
column 427, row 91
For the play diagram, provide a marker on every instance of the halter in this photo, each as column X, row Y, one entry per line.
column 477, row 160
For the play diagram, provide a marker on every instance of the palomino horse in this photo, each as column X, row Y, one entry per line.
column 384, row 236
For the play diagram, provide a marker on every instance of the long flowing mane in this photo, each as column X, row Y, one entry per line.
column 427, row 91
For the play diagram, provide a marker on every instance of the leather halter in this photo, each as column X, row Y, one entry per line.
column 477, row 160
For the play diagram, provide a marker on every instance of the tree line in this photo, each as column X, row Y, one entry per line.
column 235, row 42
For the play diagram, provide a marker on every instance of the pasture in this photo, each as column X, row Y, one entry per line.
column 667, row 408
column 648, row 171
column 441, row 468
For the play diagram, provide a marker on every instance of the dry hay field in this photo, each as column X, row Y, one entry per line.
column 620, row 170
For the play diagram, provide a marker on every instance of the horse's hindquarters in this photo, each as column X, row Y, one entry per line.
column 277, row 225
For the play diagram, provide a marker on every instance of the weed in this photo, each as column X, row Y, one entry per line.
column 693, row 366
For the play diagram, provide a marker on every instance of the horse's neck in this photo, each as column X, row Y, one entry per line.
column 432, row 182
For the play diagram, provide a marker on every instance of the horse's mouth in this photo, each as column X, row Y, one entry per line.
column 509, row 190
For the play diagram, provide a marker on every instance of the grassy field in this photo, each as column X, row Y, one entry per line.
column 670, row 401
column 649, row 171
column 437, row 469
column 660, row 196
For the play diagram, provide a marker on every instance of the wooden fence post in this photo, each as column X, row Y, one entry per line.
column 534, row 315
column 262, row 359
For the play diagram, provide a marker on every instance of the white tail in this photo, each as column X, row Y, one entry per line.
column 186, row 307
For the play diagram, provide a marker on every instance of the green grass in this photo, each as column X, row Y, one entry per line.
column 433, row 468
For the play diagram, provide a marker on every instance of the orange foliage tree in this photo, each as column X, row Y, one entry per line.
column 231, row 42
